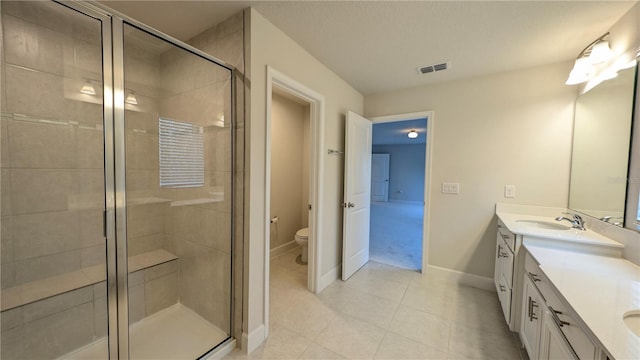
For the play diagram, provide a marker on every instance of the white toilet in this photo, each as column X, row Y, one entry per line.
column 302, row 238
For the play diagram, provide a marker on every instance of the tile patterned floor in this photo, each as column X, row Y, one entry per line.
column 382, row 312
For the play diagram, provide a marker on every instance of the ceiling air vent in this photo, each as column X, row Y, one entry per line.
column 433, row 68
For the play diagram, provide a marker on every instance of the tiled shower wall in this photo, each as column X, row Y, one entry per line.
column 65, row 191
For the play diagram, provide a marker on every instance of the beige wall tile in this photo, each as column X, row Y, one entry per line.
column 45, row 233
column 5, row 157
column 6, row 195
column 33, row 46
column 11, row 318
column 41, row 190
column 146, row 219
column 8, row 278
column 6, row 240
column 36, row 93
column 100, row 317
column 60, row 333
column 161, row 293
column 12, row 343
column 90, row 149
column 88, row 114
column 40, row 145
column 136, row 278
column 142, row 244
column 93, row 255
column 136, row 303
column 56, row 304
column 91, row 231
column 46, row 266
column 49, row 15
column 161, row 270
column 87, row 55
column 100, row 290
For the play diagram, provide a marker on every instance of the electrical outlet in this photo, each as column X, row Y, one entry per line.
column 450, row 188
column 509, row 191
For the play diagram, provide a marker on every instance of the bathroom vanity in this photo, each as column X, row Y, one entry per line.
column 567, row 292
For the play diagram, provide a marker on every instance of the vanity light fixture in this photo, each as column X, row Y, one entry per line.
column 131, row 98
column 87, row 88
column 595, row 53
column 412, row 134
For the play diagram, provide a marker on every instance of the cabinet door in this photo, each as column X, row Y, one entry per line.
column 531, row 319
column 553, row 345
column 497, row 274
column 504, row 294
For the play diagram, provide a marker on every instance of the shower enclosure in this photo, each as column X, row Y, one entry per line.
column 116, row 188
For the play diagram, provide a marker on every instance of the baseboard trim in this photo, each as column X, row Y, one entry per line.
column 476, row 281
column 328, row 278
column 253, row 340
column 281, row 249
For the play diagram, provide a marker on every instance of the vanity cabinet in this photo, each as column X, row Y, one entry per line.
column 549, row 329
column 506, row 250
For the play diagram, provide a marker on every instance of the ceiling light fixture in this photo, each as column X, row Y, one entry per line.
column 595, row 53
column 412, row 134
column 131, row 98
column 87, row 88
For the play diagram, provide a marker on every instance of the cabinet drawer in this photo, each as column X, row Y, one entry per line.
column 506, row 235
column 570, row 328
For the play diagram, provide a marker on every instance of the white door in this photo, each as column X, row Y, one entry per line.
column 357, row 194
column 380, row 177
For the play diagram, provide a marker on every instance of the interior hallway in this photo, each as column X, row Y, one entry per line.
column 382, row 312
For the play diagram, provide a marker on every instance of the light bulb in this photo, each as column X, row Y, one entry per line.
column 412, row 134
column 600, row 52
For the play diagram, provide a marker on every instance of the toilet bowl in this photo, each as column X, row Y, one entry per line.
column 302, row 238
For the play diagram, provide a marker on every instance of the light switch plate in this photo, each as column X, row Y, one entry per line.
column 450, row 188
column 509, row 191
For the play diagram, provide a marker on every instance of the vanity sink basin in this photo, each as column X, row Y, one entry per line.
column 632, row 320
column 544, row 224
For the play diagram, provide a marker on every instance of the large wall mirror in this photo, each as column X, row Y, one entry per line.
column 601, row 148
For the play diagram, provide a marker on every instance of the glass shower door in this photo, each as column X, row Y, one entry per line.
column 54, row 293
column 176, row 122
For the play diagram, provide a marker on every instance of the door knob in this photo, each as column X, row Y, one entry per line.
column 351, row 205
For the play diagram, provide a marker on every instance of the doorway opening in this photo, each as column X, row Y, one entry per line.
column 399, row 190
column 305, row 210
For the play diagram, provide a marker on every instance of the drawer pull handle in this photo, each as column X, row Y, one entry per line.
column 499, row 251
column 556, row 319
column 531, row 305
column 534, row 277
column 506, row 237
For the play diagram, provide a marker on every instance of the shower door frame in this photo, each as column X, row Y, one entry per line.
column 115, row 214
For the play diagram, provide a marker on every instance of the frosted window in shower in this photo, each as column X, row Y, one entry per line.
column 181, row 154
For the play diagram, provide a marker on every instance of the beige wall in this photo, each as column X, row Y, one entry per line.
column 287, row 168
column 508, row 128
column 270, row 46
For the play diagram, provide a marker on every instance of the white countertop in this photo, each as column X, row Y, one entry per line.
column 514, row 224
column 600, row 289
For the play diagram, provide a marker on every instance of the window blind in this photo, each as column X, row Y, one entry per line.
column 181, row 154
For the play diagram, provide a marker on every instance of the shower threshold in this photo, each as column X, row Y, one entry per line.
column 173, row 333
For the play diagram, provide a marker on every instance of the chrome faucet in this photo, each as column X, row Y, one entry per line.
column 576, row 221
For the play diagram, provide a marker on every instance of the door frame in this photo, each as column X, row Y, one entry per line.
column 276, row 79
column 429, row 114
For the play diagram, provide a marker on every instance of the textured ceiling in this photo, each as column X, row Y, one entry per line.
column 376, row 46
